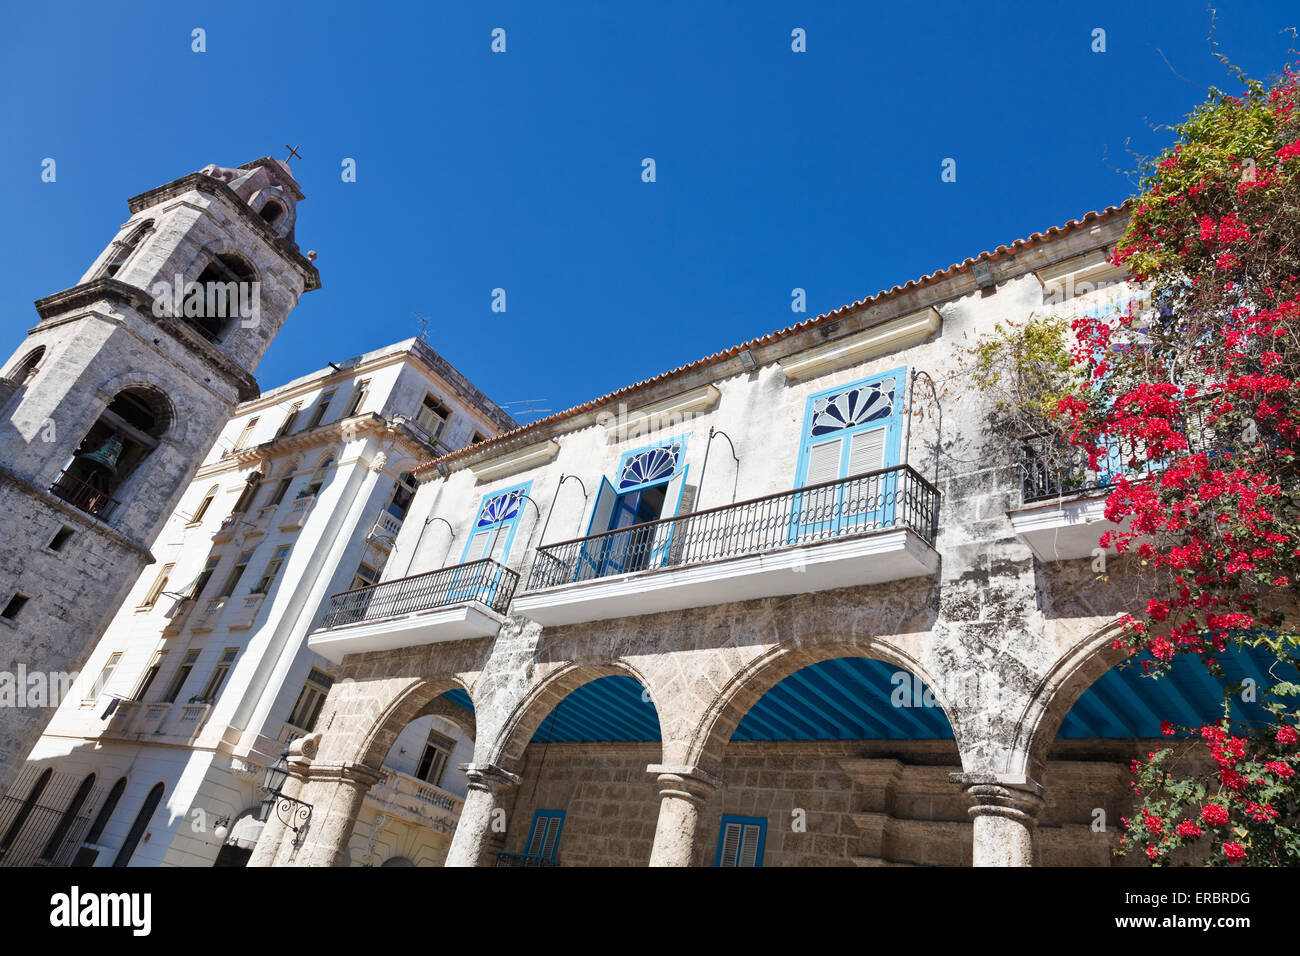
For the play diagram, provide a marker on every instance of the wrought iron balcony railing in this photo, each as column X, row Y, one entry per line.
column 484, row 581
column 1051, row 467
column 524, row 859
column 83, row 496
column 895, row 497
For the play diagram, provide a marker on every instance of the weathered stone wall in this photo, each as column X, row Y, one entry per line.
column 863, row 803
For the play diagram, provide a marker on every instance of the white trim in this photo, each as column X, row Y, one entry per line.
column 905, row 331
column 531, row 456
column 456, row 623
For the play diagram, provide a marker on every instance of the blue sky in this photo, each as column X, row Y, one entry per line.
column 522, row 170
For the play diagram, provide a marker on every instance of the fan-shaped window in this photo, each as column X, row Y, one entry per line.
column 125, row 434
column 225, row 290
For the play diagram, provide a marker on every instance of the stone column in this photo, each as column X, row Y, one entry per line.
column 682, row 792
column 301, row 752
column 487, row 785
column 1005, row 810
column 335, row 795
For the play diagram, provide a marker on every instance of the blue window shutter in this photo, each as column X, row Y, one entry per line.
column 544, row 838
column 740, row 841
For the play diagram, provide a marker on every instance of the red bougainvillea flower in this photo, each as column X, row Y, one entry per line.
column 1214, row 815
column 1189, row 829
column 1286, row 735
column 1234, row 851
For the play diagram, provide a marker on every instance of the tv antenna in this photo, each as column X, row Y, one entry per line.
column 529, row 407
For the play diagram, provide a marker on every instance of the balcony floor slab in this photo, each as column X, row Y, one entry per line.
column 847, row 562
column 456, row 622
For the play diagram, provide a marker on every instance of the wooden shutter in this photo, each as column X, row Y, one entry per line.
column 551, row 838
column 749, row 845
column 824, row 462
column 730, row 844
column 866, row 451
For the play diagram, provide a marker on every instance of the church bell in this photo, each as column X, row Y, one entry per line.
column 105, row 457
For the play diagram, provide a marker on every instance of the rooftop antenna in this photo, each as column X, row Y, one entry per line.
column 424, row 326
column 529, row 407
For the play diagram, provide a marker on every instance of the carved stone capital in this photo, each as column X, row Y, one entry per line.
column 689, row 783
column 489, row 777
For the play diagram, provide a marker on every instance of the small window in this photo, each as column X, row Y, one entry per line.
column 147, row 678
column 245, row 439
column 358, row 398
column 290, row 419
column 159, row 585
column 245, row 500
column 195, row 587
column 181, row 676
column 433, row 762
column 203, row 507
column 740, row 841
column 317, row 480
column 60, row 539
column 218, row 676
column 476, row 438
column 106, row 811
column 139, row 826
column 322, row 406
column 14, row 607
column 272, row 569
column 232, row 581
column 106, row 674
column 403, row 493
column 310, row 701
column 280, row 490
column 544, row 838
column 272, row 211
column 365, row 576
column 432, row 416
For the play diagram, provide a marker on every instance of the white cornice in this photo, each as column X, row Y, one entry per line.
column 672, row 409
column 530, row 456
column 907, row 330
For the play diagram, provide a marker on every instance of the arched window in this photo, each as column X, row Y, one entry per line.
column 272, row 211
column 27, row 368
column 124, row 248
column 138, row 827
column 204, row 505
column 403, row 492
column 125, row 434
column 55, row 842
column 317, row 478
column 105, row 812
column 224, row 293
column 25, row 811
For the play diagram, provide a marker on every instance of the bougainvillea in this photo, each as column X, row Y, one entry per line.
column 1199, row 390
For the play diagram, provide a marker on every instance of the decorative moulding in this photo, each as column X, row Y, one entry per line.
column 906, row 330
column 668, row 411
column 1091, row 268
column 530, row 456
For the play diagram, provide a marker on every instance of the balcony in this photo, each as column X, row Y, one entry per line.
column 83, row 497
column 384, row 533
column 297, row 515
column 416, row 802
column 875, row 527
column 245, row 614
column 450, row 604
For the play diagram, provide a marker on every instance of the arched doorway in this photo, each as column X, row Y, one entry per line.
column 841, row 762
column 584, row 797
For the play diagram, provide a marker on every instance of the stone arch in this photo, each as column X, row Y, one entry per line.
column 283, row 223
column 1060, row 688
column 517, row 731
column 177, row 430
column 27, row 367
column 416, row 699
column 746, row 686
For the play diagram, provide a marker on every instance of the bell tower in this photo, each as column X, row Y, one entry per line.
column 112, row 400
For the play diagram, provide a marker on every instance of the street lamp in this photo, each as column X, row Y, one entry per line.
column 294, row 814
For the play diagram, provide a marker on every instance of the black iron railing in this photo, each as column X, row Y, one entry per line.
column 484, row 581
column 1050, row 467
column 895, row 497
column 524, row 859
column 83, row 496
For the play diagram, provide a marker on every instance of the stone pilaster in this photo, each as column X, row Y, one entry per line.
column 682, row 792
column 487, row 785
column 274, row 832
column 335, row 795
column 1005, row 811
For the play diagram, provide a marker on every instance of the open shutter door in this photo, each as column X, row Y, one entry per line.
column 551, row 839
column 589, row 557
column 664, row 532
column 730, row 845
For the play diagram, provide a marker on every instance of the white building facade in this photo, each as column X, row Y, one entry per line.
column 203, row 678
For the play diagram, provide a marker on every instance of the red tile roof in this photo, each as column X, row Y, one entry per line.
column 789, row 330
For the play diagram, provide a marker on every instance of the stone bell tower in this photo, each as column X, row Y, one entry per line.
column 111, row 402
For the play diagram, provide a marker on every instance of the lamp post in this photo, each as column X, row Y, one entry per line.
column 293, row 813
